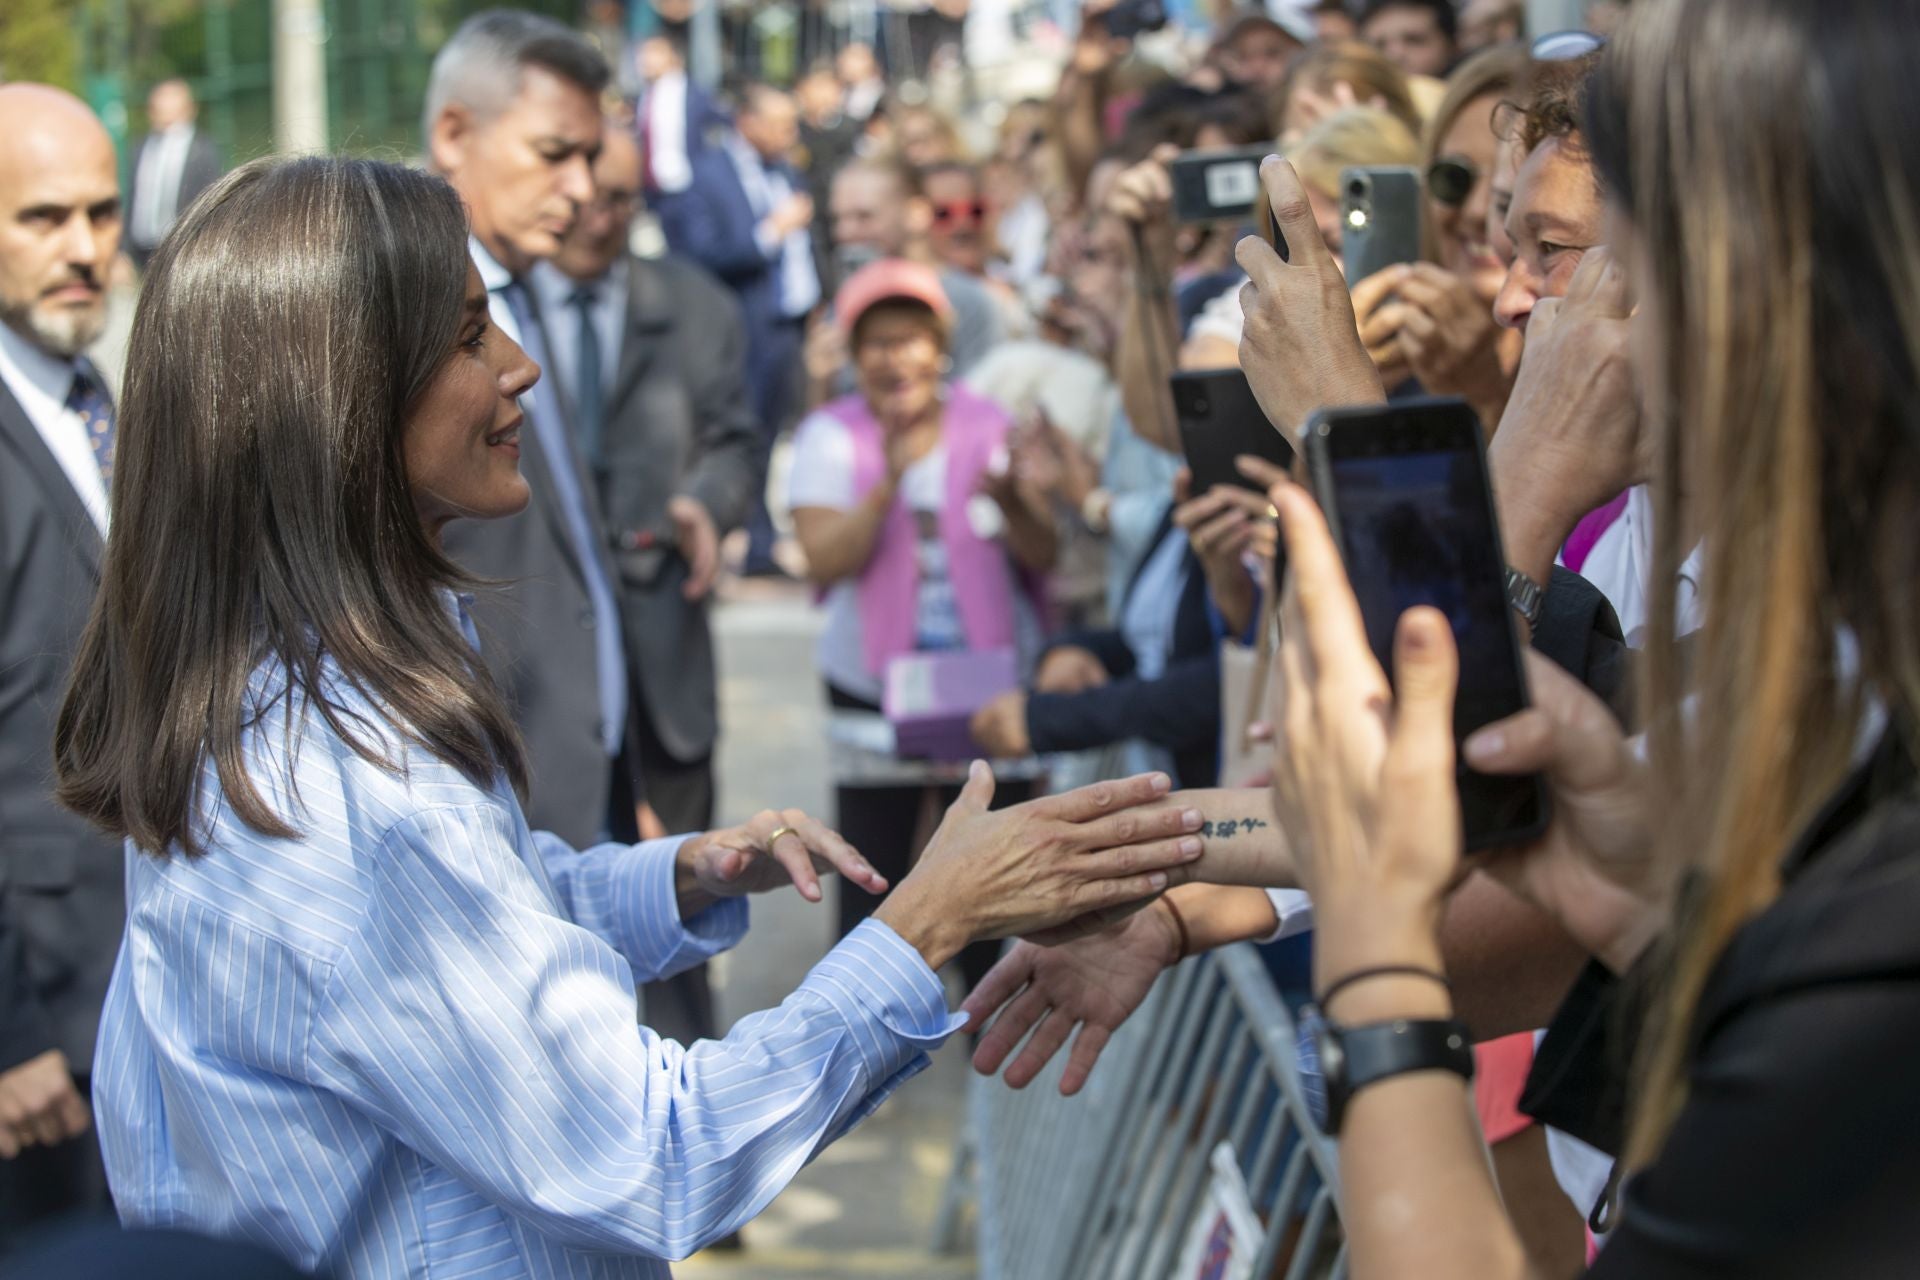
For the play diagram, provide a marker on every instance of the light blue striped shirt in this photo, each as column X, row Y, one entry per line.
column 405, row 1043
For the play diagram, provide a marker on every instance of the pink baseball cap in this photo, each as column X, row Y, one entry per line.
column 887, row 280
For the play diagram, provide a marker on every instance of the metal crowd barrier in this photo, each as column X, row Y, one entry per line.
column 1200, row 1087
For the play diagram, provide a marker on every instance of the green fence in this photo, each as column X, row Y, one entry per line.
column 377, row 51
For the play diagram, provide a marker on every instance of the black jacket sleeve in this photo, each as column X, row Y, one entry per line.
column 1180, row 711
column 1107, row 645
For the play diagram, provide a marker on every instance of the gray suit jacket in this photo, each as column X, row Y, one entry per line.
column 536, row 632
column 201, row 170
column 678, row 421
column 61, row 882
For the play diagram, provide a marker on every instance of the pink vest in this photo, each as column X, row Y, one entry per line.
column 972, row 429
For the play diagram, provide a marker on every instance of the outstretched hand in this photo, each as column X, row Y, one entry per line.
column 1089, row 986
column 995, row 873
column 774, row 849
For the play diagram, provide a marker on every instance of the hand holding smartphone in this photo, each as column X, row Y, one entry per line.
column 1406, row 494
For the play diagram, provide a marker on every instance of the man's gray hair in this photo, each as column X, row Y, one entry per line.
column 479, row 66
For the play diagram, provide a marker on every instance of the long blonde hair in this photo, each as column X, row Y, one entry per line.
column 1770, row 184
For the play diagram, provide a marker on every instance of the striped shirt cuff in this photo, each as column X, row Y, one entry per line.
column 895, row 1006
column 645, row 893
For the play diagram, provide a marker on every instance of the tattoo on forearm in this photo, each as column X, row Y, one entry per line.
column 1227, row 828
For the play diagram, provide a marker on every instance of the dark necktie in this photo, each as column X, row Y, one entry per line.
column 87, row 399
column 589, row 393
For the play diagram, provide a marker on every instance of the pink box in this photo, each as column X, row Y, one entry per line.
column 930, row 698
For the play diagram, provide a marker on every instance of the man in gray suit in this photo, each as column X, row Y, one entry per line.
column 513, row 122
column 175, row 162
column 61, row 904
column 649, row 358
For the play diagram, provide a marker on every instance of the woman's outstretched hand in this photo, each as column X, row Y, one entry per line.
column 773, row 849
column 1091, row 986
column 1023, row 869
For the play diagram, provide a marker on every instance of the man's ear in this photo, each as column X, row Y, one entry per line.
column 448, row 139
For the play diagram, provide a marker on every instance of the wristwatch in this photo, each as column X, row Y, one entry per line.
column 1351, row 1058
column 1526, row 596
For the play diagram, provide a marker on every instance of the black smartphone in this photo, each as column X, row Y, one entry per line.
column 1216, row 186
column 1220, row 420
column 1379, row 218
column 1130, row 18
column 1405, row 490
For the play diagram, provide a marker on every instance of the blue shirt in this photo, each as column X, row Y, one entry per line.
column 403, row 1043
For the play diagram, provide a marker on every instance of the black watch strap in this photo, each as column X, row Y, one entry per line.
column 1381, row 1050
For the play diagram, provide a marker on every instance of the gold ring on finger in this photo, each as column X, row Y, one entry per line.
column 777, row 833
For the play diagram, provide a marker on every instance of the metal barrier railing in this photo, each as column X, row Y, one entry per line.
column 1201, row 1085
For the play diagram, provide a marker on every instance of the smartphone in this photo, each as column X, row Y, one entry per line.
column 1405, row 491
column 1379, row 218
column 1220, row 420
column 1216, row 186
column 1130, row 18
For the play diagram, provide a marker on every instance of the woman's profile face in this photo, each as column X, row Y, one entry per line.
column 1461, row 229
column 462, row 441
column 896, row 361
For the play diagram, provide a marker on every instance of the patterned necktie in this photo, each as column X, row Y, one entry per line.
column 96, row 412
column 590, row 393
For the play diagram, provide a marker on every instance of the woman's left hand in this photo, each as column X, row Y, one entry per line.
column 775, row 848
column 1363, row 776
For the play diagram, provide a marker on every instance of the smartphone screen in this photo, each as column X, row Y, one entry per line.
column 1405, row 488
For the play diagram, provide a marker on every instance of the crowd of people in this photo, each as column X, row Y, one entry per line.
column 358, row 678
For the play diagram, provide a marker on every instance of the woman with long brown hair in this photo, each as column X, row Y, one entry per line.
column 1749, row 892
column 362, row 1014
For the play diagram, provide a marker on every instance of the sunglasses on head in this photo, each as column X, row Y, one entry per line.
column 1450, row 180
column 960, row 211
column 1565, row 46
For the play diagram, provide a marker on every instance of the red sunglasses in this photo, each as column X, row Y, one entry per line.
column 960, row 211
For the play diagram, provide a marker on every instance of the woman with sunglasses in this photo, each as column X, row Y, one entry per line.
column 1432, row 321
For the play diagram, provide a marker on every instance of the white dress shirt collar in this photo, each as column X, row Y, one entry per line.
column 41, row 383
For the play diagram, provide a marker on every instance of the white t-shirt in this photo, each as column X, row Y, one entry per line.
column 822, row 476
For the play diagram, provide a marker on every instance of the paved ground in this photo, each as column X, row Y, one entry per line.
column 867, row 1206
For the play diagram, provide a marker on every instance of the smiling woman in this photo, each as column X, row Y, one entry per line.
column 361, row 1013
column 463, row 451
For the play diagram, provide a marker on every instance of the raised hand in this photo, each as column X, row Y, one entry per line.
column 1572, row 437
column 1300, row 348
column 1089, row 986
